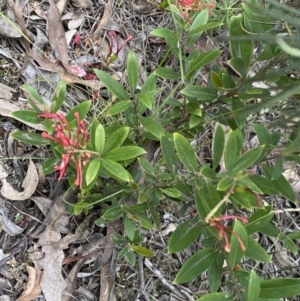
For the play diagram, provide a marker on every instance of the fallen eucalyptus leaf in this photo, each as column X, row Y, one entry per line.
column 29, row 184
column 33, row 288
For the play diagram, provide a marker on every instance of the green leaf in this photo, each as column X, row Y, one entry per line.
column 131, row 257
column 236, row 253
column 201, row 61
column 201, row 28
column 185, row 152
column 112, row 85
column 247, row 159
column 99, row 138
column 33, row 96
column 129, row 228
column 216, row 297
column 240, row 49
column 215, row 273
column 184, row 235
column 194, row 109
column 208, row 173
column 145, row 100
column 294, row 235
column 256, row 252
column 225, row 183
column 115, row 139
column 116, row 169
column 49, row 165
column 245, row 197
column 216, row 80
column 147, row 166
column 233, row 147
column 199, row 92
column 149, row 86
column 132, row 71
column 265, row 185
column 142, row 251
column 227, row 81
column 238, row 65
column 195, row 265
column 27, row 116
column 193, row 34
column 171, row 192
column 145, row 221
column 119, row 107
column 168, row 151
column 58, row 96
column 254, row 287
column 279, row 288
column 166, row 73
column 218, row 145
column 30, row 138
column 152, row 126
column 82, row 108
column 113, row 213
column 258, row 219
column 124, row 153
column 92, row 171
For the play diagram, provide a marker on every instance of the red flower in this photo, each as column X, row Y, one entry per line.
column 222, row 230
column 73, row 143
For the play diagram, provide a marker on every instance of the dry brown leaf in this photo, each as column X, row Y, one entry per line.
column 33, row 288
column 103, row 24
column 29, row 184
column 83, row 3
column 52, row 282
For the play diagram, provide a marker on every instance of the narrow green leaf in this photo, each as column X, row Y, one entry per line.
column 201, row 28
column 32, row 94
column 116, row 169
column 112, row 85
column 254, row 287
column 225, row 183
column 142, row 251
column 256, row 252
column 113, row 213
column 279, row 288
column 166, row 73
column 218, row 145
column 30, row 138
column 216, row 80
column 184, row 235
column 201, row 61
column 147, row 166
column 124, row 153
column 215, row 273
column 145, row 100
column 294, row 235
column 185, row 152
column 27, row 116
column 285, row 188
column 208, row 172
column 92, row 171
column 129, row 228
column 154, row 213
column 216, row 297
column 200, row 92
column 238, row 65
column 195, row 265
column 116, row 139
column 58, row 96
column 168, row 151
column 152, row 126
column 247, row 159
column 119, row 107
column 82, row 108
column 240, row 49
column 99, row 138
column 132, row 70
column 193, row 35
column 236, row 252
column 258, row 219
column 171, row 192
column 233, row 147
column 227, row 81
column 149, row 86
column 49, row 165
